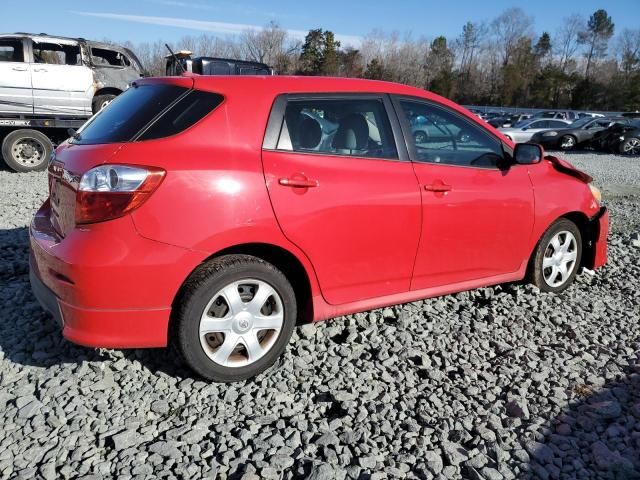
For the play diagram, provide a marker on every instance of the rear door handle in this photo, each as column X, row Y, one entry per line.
column 301, row 182
column 438, row 187
column 20, row 69
column 39, row 69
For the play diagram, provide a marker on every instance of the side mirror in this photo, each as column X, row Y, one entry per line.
column 528, row 153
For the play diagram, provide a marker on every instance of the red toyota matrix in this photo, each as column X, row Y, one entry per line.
column 216, row 212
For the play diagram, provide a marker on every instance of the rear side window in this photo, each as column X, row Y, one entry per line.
column 353, row 127
column 11, row 51
column 187, row 111
column 147, row 112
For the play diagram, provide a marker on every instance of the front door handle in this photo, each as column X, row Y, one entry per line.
column 20, row 69
column 437, row 187
column 298, row 182
column 39, row 69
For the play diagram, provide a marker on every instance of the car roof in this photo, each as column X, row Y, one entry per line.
column 45, row 36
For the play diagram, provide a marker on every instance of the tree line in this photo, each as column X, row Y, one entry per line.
column 585, row 64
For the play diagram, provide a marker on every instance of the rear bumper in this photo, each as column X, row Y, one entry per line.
column 45, row 296
column 106, row 285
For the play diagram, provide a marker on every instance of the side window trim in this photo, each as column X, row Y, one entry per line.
column 275, row 122
column 407, row 135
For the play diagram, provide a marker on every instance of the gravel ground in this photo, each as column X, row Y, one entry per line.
column 496, row 383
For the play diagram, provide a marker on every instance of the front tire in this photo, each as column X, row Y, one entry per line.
column 631, row 146
column 234, row 318
column 568, row 142
column 557, row 257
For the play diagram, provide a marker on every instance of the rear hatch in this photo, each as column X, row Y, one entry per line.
column 150, row 109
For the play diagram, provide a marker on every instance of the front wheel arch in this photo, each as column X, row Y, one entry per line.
column 587, row 231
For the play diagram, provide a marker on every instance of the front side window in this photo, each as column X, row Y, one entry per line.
column 11, row 50
column 108, row 58
column 354, row 127
column 442, row 136
column 56, row 54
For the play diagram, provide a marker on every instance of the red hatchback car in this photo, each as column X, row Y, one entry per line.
column 216, row 212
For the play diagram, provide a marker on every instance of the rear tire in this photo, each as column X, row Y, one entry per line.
column 420, row 136
column 234, row 318
column 556, row 259
column 26, row 150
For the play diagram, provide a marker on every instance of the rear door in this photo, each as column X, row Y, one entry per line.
column 477, row 218
column 62, row 83
column 343, row 192
column 16, row 96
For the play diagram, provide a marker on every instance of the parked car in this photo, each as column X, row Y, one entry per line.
column 578, row 134
column 175, row 217
column 570, row 115
column 508, row 120
column 72, row 77
column 523, row 131
column 433, row 129
column 183, row 61
column 623, row 136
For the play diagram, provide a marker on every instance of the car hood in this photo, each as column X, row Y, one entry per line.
column 563, row 166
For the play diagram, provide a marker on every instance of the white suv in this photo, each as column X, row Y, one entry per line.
column 58, row 76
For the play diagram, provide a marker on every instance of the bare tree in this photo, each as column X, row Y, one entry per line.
column 628, row 46
column 508, row 28
column 271, row 45
column 565, row 41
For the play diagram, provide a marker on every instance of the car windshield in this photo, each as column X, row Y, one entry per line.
column 522, row 123
column 582, row 122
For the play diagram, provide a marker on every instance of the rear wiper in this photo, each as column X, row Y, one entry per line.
column 73, row 134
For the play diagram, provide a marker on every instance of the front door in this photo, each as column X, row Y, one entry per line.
column 62, row 84
column 342, row 194
column 477, row 215
column 15, row 78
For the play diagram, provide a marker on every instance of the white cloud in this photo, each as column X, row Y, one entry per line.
column 207, row 26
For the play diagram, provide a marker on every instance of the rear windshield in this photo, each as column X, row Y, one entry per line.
column 145, row 112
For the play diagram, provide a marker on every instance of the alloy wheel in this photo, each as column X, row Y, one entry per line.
column 559, row 258
column 632, row 146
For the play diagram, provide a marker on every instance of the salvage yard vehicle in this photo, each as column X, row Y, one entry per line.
column 523, row 131
column 578, row 134
column 623, row 136
column 183, row 62
column 49, row 84
column 174, row 217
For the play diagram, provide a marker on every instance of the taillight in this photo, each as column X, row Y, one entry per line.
column 111, row 191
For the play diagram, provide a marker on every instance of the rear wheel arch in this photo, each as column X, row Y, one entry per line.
column 285, row 261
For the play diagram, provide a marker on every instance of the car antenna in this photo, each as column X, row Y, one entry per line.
column 175, row 58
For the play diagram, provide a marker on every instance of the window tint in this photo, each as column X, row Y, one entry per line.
column 341, row 127
column 104, row 57
column 442, row 136
column 11, row 50
column 186, row 112
column 539, row 124
column 129, row 113
column 56, row 54
column 556, row 124
column 147, row 112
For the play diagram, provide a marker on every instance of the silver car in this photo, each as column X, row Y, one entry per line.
column 522, row 132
